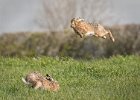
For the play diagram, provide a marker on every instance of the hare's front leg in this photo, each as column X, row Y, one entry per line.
column 104, row 37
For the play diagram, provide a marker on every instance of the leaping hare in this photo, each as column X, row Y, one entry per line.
column 84, row 29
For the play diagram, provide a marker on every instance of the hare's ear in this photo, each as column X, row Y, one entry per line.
column 47, row 75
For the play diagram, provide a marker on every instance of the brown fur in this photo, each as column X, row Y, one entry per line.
column 83, row 29
column 36, row 80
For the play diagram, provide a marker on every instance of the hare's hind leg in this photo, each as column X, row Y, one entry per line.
column 111, row 36
column 37, row 85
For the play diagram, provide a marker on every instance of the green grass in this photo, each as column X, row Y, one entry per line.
column 116, row 78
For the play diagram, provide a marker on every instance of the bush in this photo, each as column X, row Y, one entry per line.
column 67, row 43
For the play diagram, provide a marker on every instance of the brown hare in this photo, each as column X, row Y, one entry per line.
column 36, row 80
column 84, row 29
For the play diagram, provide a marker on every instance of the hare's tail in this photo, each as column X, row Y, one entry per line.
column 24, row 81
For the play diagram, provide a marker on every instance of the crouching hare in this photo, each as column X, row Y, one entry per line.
column 36, row 80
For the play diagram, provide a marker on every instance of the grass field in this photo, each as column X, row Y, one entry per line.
column 116, row 78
